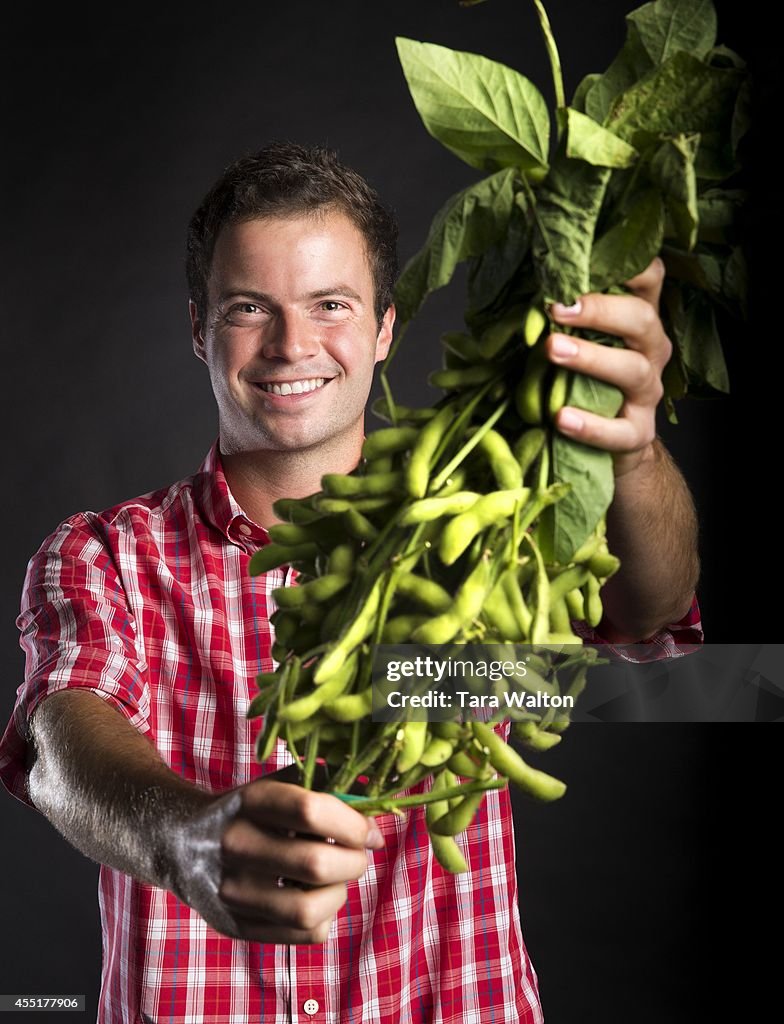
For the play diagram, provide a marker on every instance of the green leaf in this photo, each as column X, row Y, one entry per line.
column 587, row 140
column 582, row 90
column 629, row 246
column 629, row 65
column 496, row 275
column 672, row 169
column 741, row 117
column 683, row 95
column 701, row 270
column 568, row 524
column 735, row 283
column 667, row 26
column 567, row 208
column 700, row 345
column 465, row 226
column 593, row 394
column 719, row 213
column 483, row 112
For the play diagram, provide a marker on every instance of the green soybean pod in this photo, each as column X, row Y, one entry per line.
column 388, row 441
column 403, row 413
column 308, row 704
column 307, row 637
column 289, row 597
column 292, row 534
column 461, row 764
column 586, row 551
column 424, row 592
column 454, row 483
column 516, row 602
column 295, row 510
column 566, row 580
column 559, row 615
column 352, row 636
column 261, row 702
column 449, row 730
column 504, row 466
column 413, row 745
column 341, row 560
column 459, row 818
column 437, row 751
column 417, row 472
column 427, row 510
column 528, row 446
column 383, row 464
column 534, row 323
column 468, row 377
column 529, row 393
column 463, row 345
column 603, row 565
column 325, row 587
column 273, row 555
column 445, row 849
column 508, row 762
column 534, row 738
column 487, row 511
column 337, row 485
column 358, row 526
column 593, row 601
column 467, row 606
column 576, row 604
column 350, row 707
column 398, row 629
column 558, row 390
column 286, row 625
column 499, row 615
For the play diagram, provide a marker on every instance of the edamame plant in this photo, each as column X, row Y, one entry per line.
column 473, row 520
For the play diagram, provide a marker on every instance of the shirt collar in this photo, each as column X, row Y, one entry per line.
column 218, row 505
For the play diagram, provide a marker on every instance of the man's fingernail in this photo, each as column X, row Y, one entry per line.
column 563, row 346
column 374, row 840
column 569, row 420
column 560, row 310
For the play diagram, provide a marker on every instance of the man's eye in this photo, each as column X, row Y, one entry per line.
column 331, row 306
column 245, row 307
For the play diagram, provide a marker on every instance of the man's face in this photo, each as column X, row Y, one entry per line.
column 290, row 337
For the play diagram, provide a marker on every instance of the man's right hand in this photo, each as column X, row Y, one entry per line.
column 269, row 862
column 106, row 789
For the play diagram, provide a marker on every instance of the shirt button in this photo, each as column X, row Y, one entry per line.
column 310, row 1007
column 245, row 530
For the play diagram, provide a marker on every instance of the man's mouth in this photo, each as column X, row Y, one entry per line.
column 293, row 387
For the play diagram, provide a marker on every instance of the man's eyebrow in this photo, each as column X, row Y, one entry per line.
column 338, row 289
column 341, row 290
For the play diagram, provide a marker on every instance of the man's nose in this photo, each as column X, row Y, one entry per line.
column 290, row 337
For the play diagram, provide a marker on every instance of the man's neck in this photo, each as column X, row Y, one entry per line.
column 258, row 478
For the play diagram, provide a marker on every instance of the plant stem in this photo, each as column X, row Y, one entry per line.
column 552, row 53
column 469, row 446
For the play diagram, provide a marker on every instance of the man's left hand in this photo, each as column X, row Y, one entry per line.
column 636, row 369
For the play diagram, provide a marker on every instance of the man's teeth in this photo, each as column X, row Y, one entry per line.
column 296, row 387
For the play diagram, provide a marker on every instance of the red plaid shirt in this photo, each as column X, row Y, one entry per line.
column 150, row 605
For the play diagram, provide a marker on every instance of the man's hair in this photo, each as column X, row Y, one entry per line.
column 284, row 179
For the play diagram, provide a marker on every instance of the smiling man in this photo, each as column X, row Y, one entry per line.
column 144, row 632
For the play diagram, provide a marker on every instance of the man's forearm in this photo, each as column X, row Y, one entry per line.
column 105, row 787
column 652, row 528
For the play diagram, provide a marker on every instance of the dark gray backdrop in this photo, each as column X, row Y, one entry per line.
column 113, row 133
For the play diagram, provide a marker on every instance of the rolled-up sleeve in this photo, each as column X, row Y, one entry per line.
column 672, row 641
column 77, row 632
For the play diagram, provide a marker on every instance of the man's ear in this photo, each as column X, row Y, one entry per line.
column 199, row 347
column 384, row 339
